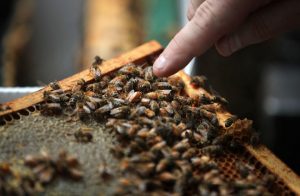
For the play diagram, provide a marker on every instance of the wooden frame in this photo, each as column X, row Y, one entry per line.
column 142, row 53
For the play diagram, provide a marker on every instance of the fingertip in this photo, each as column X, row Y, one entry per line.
column 159, row 66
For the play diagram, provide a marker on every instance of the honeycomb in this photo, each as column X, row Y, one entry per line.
column 32, row 133
column 29, row 132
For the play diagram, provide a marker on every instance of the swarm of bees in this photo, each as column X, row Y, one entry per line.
column 37, row 171
column 167, row 141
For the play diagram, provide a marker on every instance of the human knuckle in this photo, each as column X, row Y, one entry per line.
column 260, row 28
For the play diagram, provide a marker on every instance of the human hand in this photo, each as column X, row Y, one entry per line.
column 229, row 25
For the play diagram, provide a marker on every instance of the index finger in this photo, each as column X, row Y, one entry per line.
column 212, row 19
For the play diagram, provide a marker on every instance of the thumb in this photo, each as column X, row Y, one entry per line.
column 200, row 33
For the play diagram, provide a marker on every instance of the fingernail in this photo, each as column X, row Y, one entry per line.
column 160, row 63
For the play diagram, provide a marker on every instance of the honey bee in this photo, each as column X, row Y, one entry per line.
column 229, row 121
column 198, row 81
column 130, row 85
column 162, row 85
column 243, row 169
column 167, row 177
column 54, row 85
column 120, row 111
column 182, row 145
column 158, row 146
column 105, row 172
column 154, row 106
column 214, row 150
column 149, row 76
column 134, row 96
column 98, row 60
column 130, row 69
column 83, row 136
column 144, row 86
column 50, row 109
column 94, row 69
column 204, row 99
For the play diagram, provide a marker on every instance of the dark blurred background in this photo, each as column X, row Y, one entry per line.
column 46, row 40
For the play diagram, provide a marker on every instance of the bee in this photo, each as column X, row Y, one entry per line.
column 83, row 136
column 144, row 86
column 94, row 69
column 149, row 76
column 98, row 60
column 82, row 111
column 79, row 85
column 214, row 150
column 154, row 106
column 130, row 85
column 90, row 105
column 191, row 152
column 117, row 151
column 175, row 104
column 177, row 83
column 50, row 109
column 198, row 81
column 158, row 146
column 169, row 109
column 177, row 117
column 183, row 100
column 145, row 169
column 104, row 109
column 243, row 169
column 94, row 87
column 205, row 100
column 163, row 164
column 48, row 96
column 134, row 96
column 143, row 133
column 120, row 111
column 64, row 98
column 162, row 85
column 164, row 94
column 104, row 172
column 75, row 174
column 219, row 99
column 182, row 145
column 197, row 161
column 167, row 177
column 152, row 95
column 46, row 175
column 210, row 116
column 54, row 85
column 149, row 113
column 145, row 101
column 130, row 69
column 223, row 139
column 229, row 121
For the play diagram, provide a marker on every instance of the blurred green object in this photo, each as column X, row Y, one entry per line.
column 161, row 20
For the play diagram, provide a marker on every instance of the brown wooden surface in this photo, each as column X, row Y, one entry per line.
column 106, row 67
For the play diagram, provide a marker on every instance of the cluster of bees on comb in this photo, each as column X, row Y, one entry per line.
column 167, row 142
column 36, row 171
